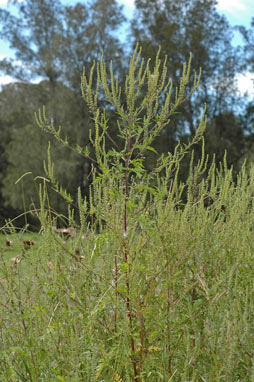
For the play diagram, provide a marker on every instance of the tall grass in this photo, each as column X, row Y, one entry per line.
column 191, row 292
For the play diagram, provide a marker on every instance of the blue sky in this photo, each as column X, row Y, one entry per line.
column 238, row 12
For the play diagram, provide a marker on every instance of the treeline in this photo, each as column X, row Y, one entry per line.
column 52, row 43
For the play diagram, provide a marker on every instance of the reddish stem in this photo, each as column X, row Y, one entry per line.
column 132, row 343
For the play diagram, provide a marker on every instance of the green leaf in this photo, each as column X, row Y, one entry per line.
column 150, row 148
column 122, row 289
column 124, row 267
column 130, row 206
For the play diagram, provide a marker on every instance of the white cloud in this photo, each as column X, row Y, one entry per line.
column 128, row 7
column 128, row 3
column 246, row 84
column 238, row 9
column 4, row 80
column 5, row 2
column 223, row 5
column 232, row 5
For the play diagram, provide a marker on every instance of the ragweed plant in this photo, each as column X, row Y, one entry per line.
column 128, row 199
column 163, row 290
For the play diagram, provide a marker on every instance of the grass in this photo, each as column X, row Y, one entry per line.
column 36, row 308
column 191, row 289
column 16, row 247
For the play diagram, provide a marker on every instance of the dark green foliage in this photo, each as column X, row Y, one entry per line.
column 52, row 42
column 27, row 146
column 224, row 132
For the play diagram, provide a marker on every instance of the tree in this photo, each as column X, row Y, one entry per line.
column 89, row 31
column 35, row 36
column 223, row 131
column 180, row 28
column 26, row 147
column 247, row 65
column 248, row 48
column 52, row 42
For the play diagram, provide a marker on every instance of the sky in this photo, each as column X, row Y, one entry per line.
column 238, row 12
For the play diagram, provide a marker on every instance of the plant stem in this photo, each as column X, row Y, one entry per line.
column 116, row 293
column 169, row 339
column 126, row 253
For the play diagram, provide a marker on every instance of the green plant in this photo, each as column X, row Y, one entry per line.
column 152, row 289
column 122, row 186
